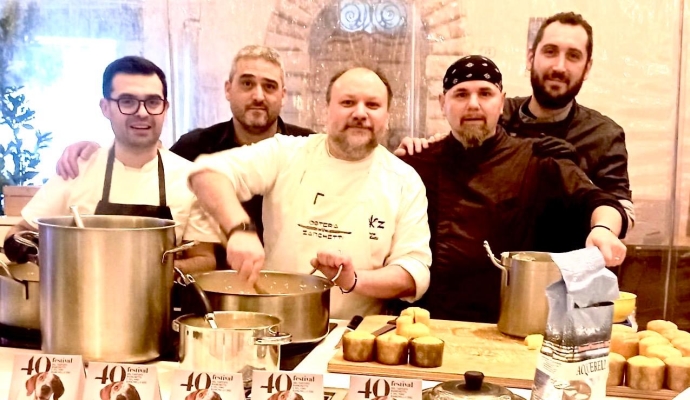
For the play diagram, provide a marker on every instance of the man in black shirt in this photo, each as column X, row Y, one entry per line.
column 483, row 184
column 559, row 62
column 255, row 90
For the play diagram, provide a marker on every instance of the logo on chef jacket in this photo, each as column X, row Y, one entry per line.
column 323, row 230
column 375, row 223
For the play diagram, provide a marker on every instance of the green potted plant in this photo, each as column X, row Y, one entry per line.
column 20, row 142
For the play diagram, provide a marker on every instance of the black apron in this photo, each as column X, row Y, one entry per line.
column 105, row 207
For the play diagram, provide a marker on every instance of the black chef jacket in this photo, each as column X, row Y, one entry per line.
column 494, row 192
column 600, row 145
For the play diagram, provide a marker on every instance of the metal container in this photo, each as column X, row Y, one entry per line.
column 19, row 295
column 472, row 387
column 105, row 288
column 243, row 342
column 524, row 278
column 301, row 300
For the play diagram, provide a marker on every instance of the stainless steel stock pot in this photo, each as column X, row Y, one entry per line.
column 105, row 288
column 525, row 275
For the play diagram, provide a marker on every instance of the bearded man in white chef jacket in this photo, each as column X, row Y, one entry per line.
column 329, row 200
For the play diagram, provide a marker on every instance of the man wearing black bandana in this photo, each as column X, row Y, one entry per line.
column 559, row 62
column 483, row 184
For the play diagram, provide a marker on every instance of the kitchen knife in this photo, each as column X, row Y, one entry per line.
column 351, row 326
column 390, row 325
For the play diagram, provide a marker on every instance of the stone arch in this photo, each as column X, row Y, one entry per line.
column 290, row 30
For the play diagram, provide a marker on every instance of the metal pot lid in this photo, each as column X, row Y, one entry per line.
column 27, row 272
column 472, row 387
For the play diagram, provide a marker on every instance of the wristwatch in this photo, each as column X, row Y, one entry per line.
column 245, row 226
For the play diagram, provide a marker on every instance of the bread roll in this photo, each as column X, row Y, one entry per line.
column 625, row 344
column 671, row 334
column 534, row 342
column 680, row 335
column 678, row 373
column 683, row 346
column 663, row 351
column 651, row 341
column 426, row 352
column 401, row 322
column 646, row 334
column 645, row 373
column 422, row 316
column 616, row 369
column 659, row 325
column 414, row 331
column 622, row 328
column 418, row 314
column 391, row 349
column 358, row 346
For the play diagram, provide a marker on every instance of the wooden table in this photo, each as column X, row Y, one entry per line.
column 470, row 346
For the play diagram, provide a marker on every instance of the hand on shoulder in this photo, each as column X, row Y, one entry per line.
column 68, row 164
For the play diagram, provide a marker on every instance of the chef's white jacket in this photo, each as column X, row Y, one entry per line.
column 129, row 186
column 374, row 210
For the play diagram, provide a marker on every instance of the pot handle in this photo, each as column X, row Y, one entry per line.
column 21, row 238
column 278, row 339
column 6, row 269
column 497, row 263
column 340, row 269
column 176, row 325
column 201, row 305
column 182, row 247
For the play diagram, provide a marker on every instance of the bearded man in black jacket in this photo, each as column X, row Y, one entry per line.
column 483, row 184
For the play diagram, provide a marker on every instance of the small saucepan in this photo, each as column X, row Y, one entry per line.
column 242, row 342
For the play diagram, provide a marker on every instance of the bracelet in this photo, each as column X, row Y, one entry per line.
column 242, row 226
column 353, row 285
column 602, row 226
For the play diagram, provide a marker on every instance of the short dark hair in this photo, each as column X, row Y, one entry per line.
column 378, row 73
column 133, row 65
column 566, row 18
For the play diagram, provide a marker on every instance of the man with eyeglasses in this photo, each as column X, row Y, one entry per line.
column 255, row 91
column 133, row 176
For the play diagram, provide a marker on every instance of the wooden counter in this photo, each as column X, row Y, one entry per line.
column 471, row 347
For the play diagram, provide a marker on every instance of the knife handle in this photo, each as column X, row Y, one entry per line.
column 354, row 322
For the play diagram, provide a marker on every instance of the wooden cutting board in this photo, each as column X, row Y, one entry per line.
column 470, row 346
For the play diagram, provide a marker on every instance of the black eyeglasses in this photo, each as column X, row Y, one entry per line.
column 130, row 105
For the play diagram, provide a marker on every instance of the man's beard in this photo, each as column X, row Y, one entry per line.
column 548, row 100
column 257, row 126
column 473, row 135
column 353, row 151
